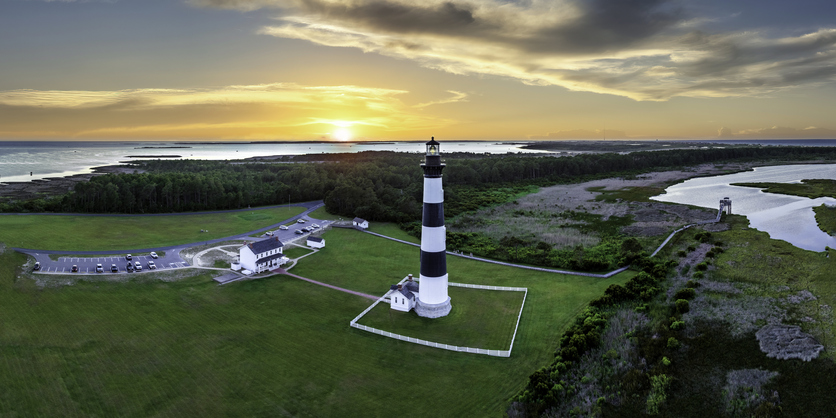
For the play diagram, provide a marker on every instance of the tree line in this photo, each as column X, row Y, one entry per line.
column 379, row 186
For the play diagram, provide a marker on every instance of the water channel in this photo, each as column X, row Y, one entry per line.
column 783, row 217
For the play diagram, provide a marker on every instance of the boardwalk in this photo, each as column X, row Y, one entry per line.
column 283, row 271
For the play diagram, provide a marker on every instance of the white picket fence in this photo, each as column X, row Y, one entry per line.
column 494, row 353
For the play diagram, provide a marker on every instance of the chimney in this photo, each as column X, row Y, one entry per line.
column 400, row 287
column 409, row 278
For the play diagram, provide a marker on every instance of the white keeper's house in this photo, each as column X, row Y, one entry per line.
column 360, row 223
column 402, row 297
column 262, row 255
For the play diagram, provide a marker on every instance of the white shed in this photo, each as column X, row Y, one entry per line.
column 315, row 242
column 360, row 223
column 402, row 297
column 262, row 255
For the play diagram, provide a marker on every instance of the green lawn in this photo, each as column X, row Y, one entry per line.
column 296, row 252
column 103, row 233
column 392, row 230
column 479, row 318
column 270, row 347
column 323, row 214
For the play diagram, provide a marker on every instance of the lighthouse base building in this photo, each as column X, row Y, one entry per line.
column 435, row 310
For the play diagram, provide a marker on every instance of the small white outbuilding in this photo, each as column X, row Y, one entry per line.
column 403, row 296
column 360, row 223
column 315, row 242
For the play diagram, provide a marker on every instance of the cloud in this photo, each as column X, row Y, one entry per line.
column 583, row 134
column 457, row 97
column 781, row 132
column 724, row 133
column 264, row 111
column 642, row 49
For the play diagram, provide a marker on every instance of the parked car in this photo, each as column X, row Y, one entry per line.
column 137, row 266
column 113, row 268
column 301, row 221
column 75, row 268
column 152, row 266
column 128, row 257
column 299, row 232
column 315, row 225
column 269, row 233
column 283, row 227
column 100, row 269
column 37, row 266
column 153, row 254
column 309, row 228
column 129, row 268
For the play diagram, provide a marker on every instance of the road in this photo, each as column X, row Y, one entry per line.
column 87, row 260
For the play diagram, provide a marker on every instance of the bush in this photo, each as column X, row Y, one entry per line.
column 683, row 306
column 681, row 253
column 673, row 343
column 666, row 361
column 677, row 325
column 701, row 266
column 692, row 284
column 691, row 248
column 685, row 293
column 698, row 275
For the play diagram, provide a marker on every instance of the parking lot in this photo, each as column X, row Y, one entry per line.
column 87, row 265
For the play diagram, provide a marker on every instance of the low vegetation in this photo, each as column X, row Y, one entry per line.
column 104, row 233
column 264, row 347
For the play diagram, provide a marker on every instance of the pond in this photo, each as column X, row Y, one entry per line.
column 788, row 218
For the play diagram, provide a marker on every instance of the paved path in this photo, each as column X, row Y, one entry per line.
column 283, row 271
column 486, row 260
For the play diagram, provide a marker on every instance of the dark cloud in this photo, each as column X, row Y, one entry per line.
column 607, row 25
column 446, row 18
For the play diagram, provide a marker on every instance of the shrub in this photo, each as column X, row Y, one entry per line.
column 681, row 253
column 691, row 248
column 685, row 293
column 718, row 243
column 677, row 325
column 682, row 306
column 658, row 386
column 698, row 275
column 701, row 266
column 673, row 343
column 666, row 361
column 692, row 284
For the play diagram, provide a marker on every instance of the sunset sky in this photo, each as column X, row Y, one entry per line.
column 409, row 69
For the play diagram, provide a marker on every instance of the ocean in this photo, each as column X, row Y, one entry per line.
column 33, row 160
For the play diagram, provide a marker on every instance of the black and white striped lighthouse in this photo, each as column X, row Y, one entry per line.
column 433, row 301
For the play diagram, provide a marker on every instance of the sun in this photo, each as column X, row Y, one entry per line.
column 342, row 134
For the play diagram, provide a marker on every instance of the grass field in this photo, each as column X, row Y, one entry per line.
column 296, row 252
column 323, row 214
column 270, row 347
column 104, row 233
column 479, row 319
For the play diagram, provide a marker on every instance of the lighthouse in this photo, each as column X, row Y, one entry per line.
column 433, row 301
